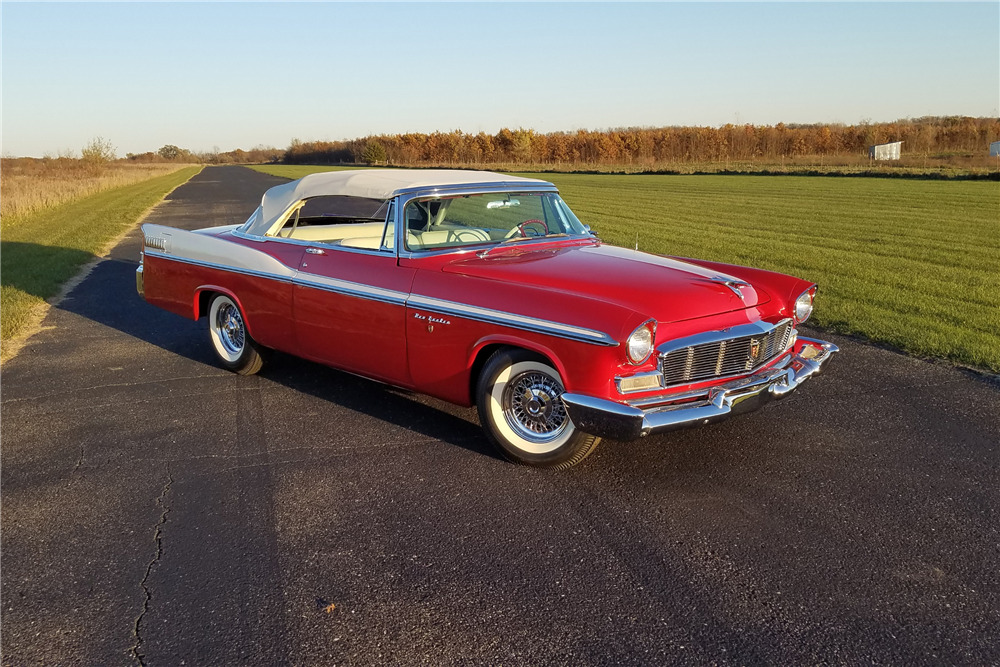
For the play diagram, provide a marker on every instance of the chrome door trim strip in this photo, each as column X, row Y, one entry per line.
column 511, row 320
column 395, row 297
column 348, row 288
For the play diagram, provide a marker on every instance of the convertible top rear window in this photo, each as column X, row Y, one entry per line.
column 322, row 210
column 344, row 207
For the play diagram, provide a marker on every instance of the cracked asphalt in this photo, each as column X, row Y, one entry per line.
column 158, row 510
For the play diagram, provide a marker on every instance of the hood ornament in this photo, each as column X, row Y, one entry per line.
column 733, row 284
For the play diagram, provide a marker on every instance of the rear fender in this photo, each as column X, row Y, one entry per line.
column 201, row 305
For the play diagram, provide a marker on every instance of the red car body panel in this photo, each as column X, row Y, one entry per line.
column 664, row 289
column 361, row 334
column 441, row 363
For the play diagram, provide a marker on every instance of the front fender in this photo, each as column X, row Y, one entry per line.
column 503, row 340
column 779, row 286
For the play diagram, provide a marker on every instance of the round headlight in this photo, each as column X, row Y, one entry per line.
column 804, row 306
column 640, row 344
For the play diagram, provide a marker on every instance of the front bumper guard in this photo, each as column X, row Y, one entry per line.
column 622, row 421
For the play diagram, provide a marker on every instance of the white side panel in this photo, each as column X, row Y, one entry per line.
column 206, row 249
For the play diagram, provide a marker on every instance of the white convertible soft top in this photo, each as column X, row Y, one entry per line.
column 373, row 184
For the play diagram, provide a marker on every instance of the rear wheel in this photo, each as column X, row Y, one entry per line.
column 518, row 397
column 232, row 343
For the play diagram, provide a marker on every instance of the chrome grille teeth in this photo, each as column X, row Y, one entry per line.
column 724, row 358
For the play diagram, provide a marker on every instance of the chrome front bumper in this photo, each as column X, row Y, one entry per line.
column 623, row 421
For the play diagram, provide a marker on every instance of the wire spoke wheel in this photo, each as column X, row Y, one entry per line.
column 532, row 407
column 519, row 398
column 231, row 341
column 232, row 334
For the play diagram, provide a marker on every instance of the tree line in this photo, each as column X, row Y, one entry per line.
column 642, row 147
column 171, row 153
column 926, row 136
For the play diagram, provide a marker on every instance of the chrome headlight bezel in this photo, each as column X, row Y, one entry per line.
column 641, row 343
column 803, row 306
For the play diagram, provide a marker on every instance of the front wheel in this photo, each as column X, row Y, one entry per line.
column 521, row 410
column 232, row 343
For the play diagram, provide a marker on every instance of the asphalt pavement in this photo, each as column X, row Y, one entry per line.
column 159, row 510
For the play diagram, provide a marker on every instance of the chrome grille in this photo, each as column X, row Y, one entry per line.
column 721, row 358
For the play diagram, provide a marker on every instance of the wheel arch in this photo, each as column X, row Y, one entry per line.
column 486, row 347
column 203, row 299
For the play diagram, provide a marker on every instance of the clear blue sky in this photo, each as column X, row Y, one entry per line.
column 235, row 75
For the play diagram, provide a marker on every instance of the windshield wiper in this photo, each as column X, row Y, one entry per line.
column 512, row 239
column 517, row 239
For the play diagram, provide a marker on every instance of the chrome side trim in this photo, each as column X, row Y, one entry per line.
column 222, row 267
column 414, row 301
column 348, row 288
column 303, row 280
column 512, row 320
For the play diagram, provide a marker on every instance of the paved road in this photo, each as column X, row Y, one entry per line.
column 158, row 510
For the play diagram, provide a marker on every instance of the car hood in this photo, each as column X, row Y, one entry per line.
column 668, row 290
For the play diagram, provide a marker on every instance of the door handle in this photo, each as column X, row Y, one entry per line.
column 315, row 251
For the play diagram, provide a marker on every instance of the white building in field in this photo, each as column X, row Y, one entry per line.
column 885, row 151
column 995, row 149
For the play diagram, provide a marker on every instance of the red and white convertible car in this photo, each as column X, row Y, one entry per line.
column 485, row 289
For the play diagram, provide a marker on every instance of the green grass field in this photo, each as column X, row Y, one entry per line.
column 911, row 263
column 43, row 250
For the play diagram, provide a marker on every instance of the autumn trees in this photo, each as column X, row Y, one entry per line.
column 736, row 145
column 649, row 146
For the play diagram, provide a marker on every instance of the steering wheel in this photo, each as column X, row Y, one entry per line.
column 524, row 232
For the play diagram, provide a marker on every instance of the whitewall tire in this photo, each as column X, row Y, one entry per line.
column 518, row 398
column 231, row 341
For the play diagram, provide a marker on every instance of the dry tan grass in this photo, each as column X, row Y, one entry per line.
column 28, row 185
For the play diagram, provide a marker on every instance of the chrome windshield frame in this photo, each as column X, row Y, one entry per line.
column 404, row 197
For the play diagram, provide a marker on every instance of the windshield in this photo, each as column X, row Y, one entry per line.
column 449, row 222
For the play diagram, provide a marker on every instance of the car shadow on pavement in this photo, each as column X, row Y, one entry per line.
column 108, row 297
column 420, row 414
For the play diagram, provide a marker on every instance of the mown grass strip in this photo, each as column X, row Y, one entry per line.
column 40, row 252
column 911, row 263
